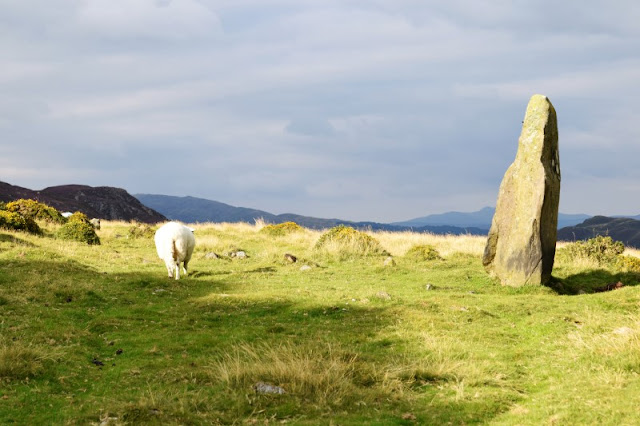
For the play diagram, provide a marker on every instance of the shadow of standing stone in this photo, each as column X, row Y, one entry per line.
column 522, row 241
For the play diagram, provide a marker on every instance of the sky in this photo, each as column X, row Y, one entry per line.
column 377, row 110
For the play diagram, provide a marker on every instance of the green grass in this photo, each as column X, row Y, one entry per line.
column 95, row 332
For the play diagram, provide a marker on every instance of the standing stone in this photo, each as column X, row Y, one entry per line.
column 522, row 240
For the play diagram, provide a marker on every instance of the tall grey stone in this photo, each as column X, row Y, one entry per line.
column 522, row 241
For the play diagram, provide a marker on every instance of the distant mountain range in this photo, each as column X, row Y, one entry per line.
column 102, row 202
column 479, row 219
column 192, row 209
column 117, row 204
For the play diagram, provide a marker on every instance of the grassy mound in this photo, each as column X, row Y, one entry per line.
column 424, row 253
column 141, row 230
column 281, row 229
column 346, row 241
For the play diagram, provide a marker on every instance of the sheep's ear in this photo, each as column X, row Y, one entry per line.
column 191, row 229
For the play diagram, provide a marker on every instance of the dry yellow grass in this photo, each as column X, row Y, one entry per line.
column 398, row 243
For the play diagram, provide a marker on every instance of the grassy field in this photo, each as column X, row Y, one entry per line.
column 100, row 335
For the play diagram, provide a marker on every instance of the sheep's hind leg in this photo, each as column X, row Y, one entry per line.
column 177, row 266
column 184, row 269
column 170, row 268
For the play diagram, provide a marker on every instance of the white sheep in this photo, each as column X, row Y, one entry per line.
column 174, row 244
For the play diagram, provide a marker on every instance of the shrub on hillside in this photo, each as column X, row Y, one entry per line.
column 349, row 241
column 141, row 230
column 16, row 222
column 79, row 217
column 78, row 228
column 628, row 264
column 423, row 252
column 601, row 250
column 281, row 229
column 32, row 209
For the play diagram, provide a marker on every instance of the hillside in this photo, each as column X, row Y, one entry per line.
column 102, row 202
column 479, row 219
column 622, row 229
column 192, row 209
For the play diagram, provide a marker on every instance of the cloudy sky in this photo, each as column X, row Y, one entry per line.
column 377, row 110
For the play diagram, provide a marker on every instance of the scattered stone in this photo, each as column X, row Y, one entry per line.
column 409, row 416
column 521, row 245
column 97, row 362
column 290, row 258
column 609, row 287
column 211, row 255
column 262, row 387
column 238, row 254
column 389, row 261
column 107, row 421
column 119, row 352
column 429, row 287
column 305, row 268
column 623, row 331
column 384, row 295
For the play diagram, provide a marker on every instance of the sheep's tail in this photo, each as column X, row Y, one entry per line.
column 174, row 251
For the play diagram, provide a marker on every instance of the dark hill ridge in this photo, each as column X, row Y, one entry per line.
column 103, row 202
column 192, row 209
column 622, row 229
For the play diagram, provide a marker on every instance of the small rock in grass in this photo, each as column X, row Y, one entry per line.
column 305, row 268
column 239, row 254
column 389, row 261
column 211, row 255
column 262, row 387
column 290, row 258
column 384, row 295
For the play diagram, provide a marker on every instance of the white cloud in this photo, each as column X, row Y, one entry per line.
column 155, row 19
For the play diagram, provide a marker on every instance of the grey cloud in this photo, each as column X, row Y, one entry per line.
column 366, row 110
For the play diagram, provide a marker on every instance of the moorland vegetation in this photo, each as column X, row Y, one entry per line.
column 97, row 334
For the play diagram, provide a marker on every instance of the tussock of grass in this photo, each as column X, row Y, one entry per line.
column 20, row 361
column 320, row 374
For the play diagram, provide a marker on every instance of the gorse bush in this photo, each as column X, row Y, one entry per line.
column 345, row 241
column 78, row 228
column 79, row 217
column 424, row 252
column 16, row 222
column 628, row 264
column 281, row 229
column 141, row 230
column 32, row 209
column 601, row 250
